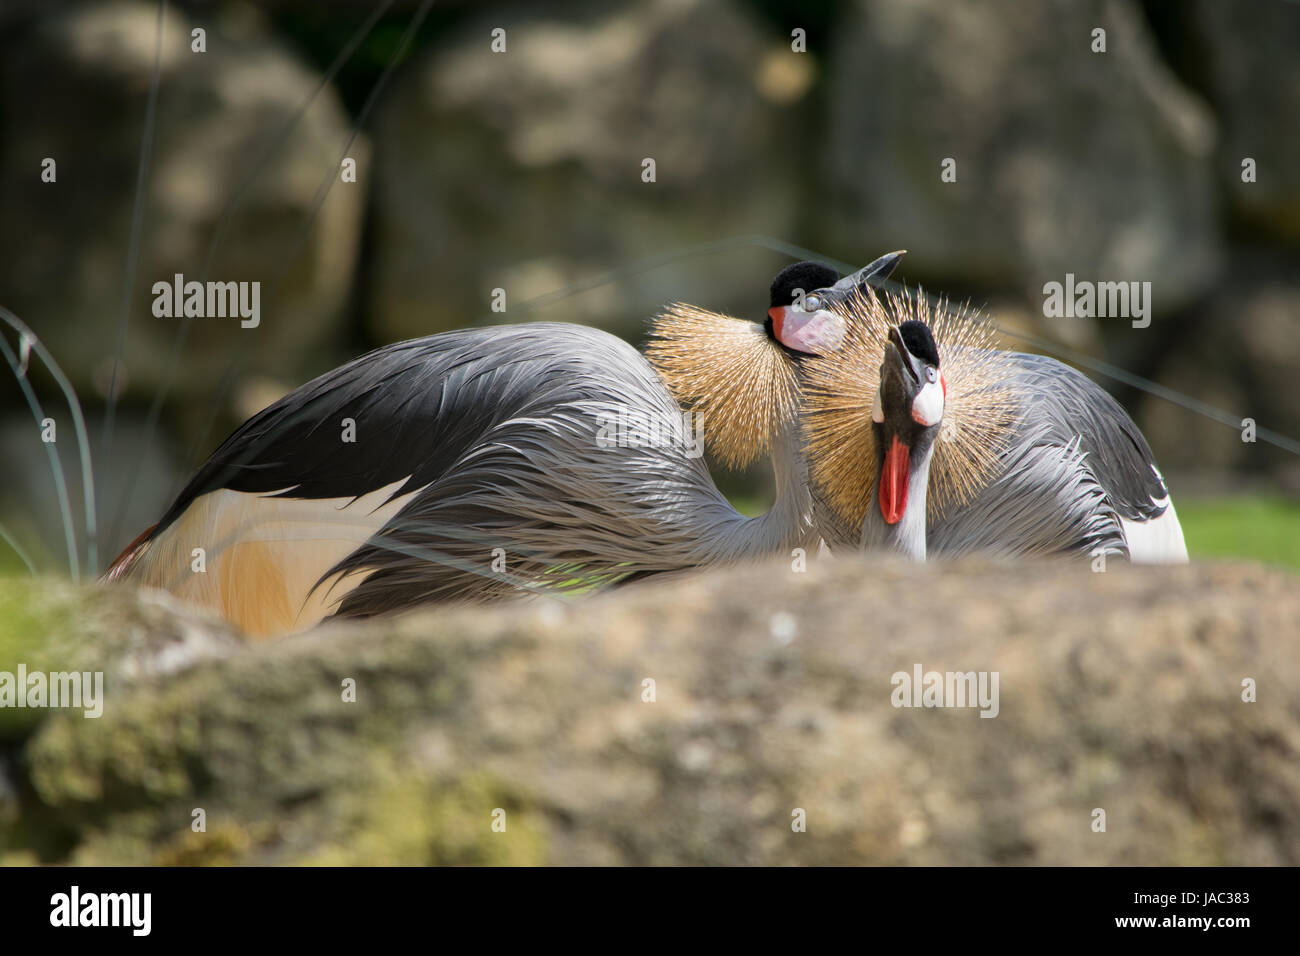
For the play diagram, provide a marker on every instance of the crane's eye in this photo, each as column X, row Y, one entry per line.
column 811, row 303
column 931, row 373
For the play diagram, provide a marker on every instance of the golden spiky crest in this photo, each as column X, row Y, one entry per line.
column 980, row 407
column 728, row 370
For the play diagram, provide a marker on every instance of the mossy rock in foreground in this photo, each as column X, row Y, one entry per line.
column 527, row 733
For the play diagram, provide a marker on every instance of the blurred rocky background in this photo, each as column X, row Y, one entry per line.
column 522, row 170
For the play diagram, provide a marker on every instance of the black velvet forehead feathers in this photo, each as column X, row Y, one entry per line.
column 801, row 275
column 919, row 341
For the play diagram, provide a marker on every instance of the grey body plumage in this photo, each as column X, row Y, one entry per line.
column 538, row 483
column 1076, row 465
column 494, row 438
column 1029, row 456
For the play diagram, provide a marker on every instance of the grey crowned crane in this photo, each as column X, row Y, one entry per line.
column 744, row 378
column 925, row 439
column 465, row 465
column 478, row 463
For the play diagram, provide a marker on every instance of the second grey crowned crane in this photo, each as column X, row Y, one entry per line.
column 925, row 439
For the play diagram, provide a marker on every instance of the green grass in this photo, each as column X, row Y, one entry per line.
column 1258, row 528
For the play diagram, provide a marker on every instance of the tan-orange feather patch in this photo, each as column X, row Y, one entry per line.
column 728, row 370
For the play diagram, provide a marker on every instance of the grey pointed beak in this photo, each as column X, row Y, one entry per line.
column 872, row 274
column 898, row 389
column 901, row 362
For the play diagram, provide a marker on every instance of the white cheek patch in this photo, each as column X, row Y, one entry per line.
column 816, row 333
column 877, row 415
column 927, row 408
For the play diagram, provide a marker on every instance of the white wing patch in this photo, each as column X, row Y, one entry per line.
column 1160, row 540
column 1157, row 541
column 264, row 554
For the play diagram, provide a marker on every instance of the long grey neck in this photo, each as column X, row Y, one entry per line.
column 788, row 523
column 908, row 535
column 791, row 512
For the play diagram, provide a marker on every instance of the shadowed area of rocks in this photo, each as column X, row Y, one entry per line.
column 1120, row 691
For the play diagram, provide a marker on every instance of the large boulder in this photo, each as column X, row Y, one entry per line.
column 772, row 694
column 73, row 87
column 1246, row 62
column 1240, row 354
column 522, row 170
column 1067, row 161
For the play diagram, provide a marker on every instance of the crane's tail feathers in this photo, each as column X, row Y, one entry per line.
column 125, row 561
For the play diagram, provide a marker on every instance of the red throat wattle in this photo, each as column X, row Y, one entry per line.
column 777, row 314
column 893, row 482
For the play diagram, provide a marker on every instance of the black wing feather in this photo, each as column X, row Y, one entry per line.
column 417, row 405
